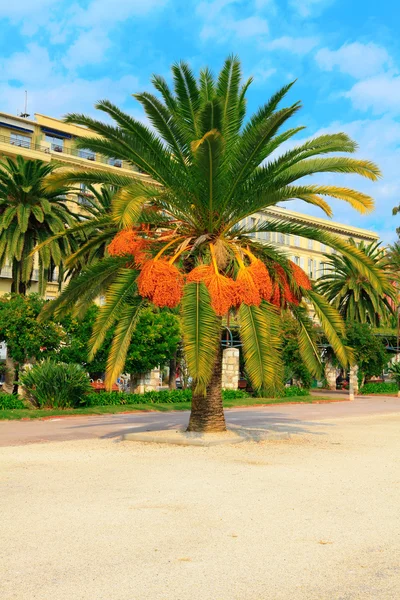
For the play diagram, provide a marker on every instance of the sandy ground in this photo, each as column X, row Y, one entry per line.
column 315, row 517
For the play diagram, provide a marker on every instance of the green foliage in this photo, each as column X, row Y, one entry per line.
column 154, row 340
column 394, row 370
column 30, row 214
column 292, row 358
column 10, row 402
column 162, row 397
column 234, row 394
column 293, row 390
column 369, row 352
column 26, row 338
column 357, row 298
column 76, row 340
column 55, row 385
column 378, row 388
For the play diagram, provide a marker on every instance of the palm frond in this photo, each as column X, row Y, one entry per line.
column 201, row 334
column 260, row 335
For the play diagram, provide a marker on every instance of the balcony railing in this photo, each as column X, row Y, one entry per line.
column 59, row 149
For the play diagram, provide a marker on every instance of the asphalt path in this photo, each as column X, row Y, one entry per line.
column 292, row 418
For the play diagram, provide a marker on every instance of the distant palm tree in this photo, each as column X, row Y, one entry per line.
column 30, row 214
column 353, row 294
column 208, row 170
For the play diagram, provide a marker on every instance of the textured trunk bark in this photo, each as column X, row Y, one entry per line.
column 172, row 374
column 9, row 377
column 207, row 412
column 133, row 383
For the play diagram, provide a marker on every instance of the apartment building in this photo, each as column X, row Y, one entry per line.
column 49, row 139
column 308, row 254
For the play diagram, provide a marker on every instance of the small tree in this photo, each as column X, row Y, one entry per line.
column 154, row 342
column 27, row 340
column 370, row 354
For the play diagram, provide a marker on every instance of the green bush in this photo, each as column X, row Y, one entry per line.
column 294, row 390
column 234, row 394
column 379, row 388
column 10, row 402
column 163, row 397
column 55, row 385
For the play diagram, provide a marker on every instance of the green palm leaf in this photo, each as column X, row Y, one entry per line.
column 201, row 334
column 260, row 335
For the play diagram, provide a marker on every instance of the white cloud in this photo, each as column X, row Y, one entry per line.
column 31, row 13
column 219, row 22
column 239, row 28
column 306, row 8
column 88, row 48
column 32, row 67
column 103, row 13
column 380, row 94
column 299, row 45
column 50, row 90
column 356, row 59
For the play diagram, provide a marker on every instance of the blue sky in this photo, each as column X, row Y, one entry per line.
column 344, row 54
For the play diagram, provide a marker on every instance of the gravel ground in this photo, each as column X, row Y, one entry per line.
column 313, row 517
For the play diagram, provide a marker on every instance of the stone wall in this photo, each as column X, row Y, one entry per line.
column 147, row 382
column 230, row 368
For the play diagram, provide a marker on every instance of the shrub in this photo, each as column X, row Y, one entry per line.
column 10, row 402
column 55, row 385
column 379, row 388
column 235, row 394
column 294, row 390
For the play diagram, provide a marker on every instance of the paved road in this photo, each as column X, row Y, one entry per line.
column 294, row 418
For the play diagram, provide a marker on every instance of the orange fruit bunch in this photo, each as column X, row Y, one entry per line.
column 127, row 242
column 222, row 289
column 300, row 276
column 161, row 282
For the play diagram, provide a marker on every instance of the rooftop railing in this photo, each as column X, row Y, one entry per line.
column 59, row 149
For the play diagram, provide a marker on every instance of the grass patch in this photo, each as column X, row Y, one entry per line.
column 27, row 413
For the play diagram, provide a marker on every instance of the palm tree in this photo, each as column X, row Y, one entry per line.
column 29, row 215
column 353, row 294
column 207, row 171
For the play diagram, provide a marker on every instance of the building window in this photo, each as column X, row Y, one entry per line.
column 88, row 154
column 16, row 139
column 296, row 260
column 83, row 196
column 56, row 144
column 252, row 225
column 311, row 244
column 297, row 241
column 115, row 162
column 323, row 247
column 281, row 238
column 310, row 268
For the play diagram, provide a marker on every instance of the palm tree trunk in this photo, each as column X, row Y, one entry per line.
column 207, row 414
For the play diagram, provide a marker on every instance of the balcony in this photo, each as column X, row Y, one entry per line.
column 59, row 149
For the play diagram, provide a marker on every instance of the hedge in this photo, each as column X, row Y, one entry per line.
column 10, row 402
column 379, row 388
column 163, row 397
